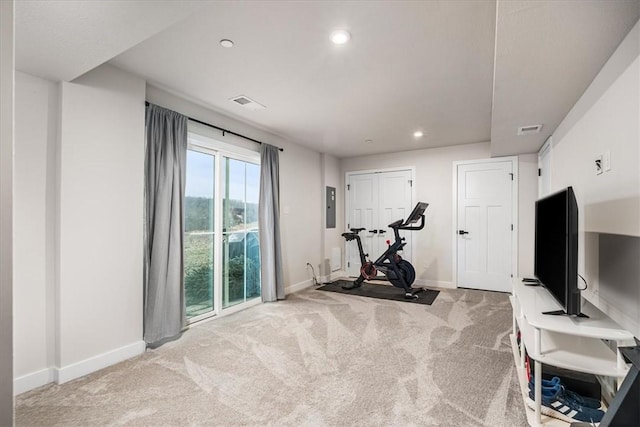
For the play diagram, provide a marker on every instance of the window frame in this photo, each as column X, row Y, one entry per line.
column 205, row 141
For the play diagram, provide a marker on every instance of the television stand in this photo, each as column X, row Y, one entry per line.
column 563, row 313
column 569, row 342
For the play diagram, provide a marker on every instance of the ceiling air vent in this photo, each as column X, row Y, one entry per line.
column 247, row 103
column 529, row 130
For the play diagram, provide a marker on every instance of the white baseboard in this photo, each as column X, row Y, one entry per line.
column 308, row 283
column 298, row 286
column 338, row 274
column 95, row 363
column 33, row 380
column 71, row 372
column 333, row 276
column 434, row 284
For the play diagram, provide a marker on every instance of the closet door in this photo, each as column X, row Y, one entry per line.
column 394, row 203
column 363, row 199
column 375, row 200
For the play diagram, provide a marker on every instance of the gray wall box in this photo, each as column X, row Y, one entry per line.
column 331, row 207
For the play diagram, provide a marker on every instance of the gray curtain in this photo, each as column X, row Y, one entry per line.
column 269, row 210
column 165, row 164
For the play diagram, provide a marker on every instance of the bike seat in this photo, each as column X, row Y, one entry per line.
column 356, row 230
column 349, row 236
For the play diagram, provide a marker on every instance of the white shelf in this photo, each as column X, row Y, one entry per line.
column 571, row 352
column 537, row 300
column 568, row 342
column 524, row 389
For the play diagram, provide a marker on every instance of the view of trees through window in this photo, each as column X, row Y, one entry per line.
column 240, row 278
column 241, row 253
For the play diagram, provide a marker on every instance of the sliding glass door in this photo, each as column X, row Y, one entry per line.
column 221, row 249
column 241, row 250
column 199, row 239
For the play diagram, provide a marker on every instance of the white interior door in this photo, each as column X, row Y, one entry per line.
column 484, row 225
column 363, row 213
column 394, row 204
column 375, row 200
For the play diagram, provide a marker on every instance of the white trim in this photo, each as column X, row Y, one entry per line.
column 515, row 217
column 95, row 363
column 218, row 239
column 514, row 212
column 433, row 284
column 394, row 169
column 200, row 317
column 454, row 212
column 333, row 276
column 201, row 140
column 226, row 311
column 239, row 307
column 33, row 380
column 298, row 286
column 206, row 136
column 546, row 147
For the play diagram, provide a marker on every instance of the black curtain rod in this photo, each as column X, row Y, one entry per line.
column 146, row 103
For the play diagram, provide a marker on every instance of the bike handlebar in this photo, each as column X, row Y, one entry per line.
column 399, row 225
column 408, row 227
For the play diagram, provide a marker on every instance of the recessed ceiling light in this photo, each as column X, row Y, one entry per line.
column 340, row 36
column 418, row 134
column 368, row 141
column 226, row 43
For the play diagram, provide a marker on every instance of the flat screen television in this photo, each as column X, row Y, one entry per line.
column 556, row 249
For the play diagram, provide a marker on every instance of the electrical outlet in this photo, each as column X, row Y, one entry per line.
column 599, row 164
column 606, row 161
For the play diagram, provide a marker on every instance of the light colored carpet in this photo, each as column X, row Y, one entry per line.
column 316, row 359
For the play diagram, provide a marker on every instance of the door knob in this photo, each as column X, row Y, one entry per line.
column 382, row 231
column 461, row 232
column 373, row 231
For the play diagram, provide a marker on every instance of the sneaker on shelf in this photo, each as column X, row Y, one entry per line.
column 555, row 382
column 556, row 404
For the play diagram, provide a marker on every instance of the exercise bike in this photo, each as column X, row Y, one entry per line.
column 398, row 271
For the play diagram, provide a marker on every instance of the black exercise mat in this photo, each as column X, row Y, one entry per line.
column 427, row 296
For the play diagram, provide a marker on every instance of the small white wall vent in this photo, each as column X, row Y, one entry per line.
column 529, row 130
column 247, row 102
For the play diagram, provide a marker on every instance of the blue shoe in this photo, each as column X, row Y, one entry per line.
column 556, row 404
column 554, row 382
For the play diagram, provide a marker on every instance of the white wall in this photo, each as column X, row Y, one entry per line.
column 80, row 170
column 332, row 237
column 36, row 127
column 101, row 174
column 606, row 118
column 6, row 210
column 527, row 196
column 434, row 185
column 301, row 196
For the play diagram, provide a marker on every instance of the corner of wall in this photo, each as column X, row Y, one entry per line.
column 95, row 363
column 7, row 79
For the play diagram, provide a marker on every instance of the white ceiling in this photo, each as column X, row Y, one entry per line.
column 62, row 39
column 437, row 66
